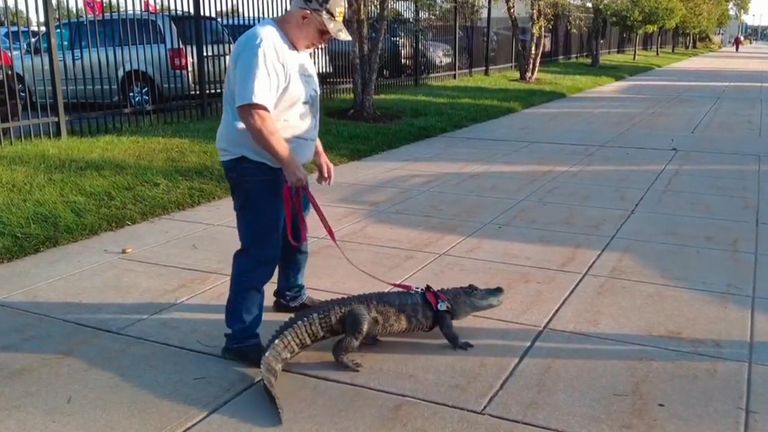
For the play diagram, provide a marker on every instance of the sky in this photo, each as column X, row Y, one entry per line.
column 758, row 7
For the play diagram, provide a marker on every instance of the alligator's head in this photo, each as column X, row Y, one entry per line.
column 470, row 299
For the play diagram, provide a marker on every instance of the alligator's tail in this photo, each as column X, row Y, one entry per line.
column 296, row 334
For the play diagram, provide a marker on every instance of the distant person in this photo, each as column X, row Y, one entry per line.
column 737, row 42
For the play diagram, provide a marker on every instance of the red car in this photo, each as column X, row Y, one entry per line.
column 9, row 107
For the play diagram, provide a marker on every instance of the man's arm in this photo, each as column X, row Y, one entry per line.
column 260, row 124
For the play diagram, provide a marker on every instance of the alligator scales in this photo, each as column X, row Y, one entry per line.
column 363, row 318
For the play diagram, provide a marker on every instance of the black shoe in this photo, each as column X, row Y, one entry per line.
column 250, row 354
column 281, row 306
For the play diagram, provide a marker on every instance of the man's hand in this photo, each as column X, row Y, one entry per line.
column 295, row 174
column 324, row 165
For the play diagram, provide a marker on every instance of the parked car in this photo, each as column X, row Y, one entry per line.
column 397, row 55
column 135, row 58
column 9, row 108
column 236, row 26
column 471, row 43
column 15, row 38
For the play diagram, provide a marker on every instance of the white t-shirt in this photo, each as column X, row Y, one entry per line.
column 265, row 68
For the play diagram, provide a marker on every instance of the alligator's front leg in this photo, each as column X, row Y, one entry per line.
column 446, row 327
column 356, row 324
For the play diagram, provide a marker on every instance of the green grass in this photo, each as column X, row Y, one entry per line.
column 55, row 192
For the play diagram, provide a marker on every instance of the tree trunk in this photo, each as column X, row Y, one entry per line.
column 674, row 39
column 637, row 42
column 521, row 50
column 695, row 41
column 537, row 58
column 658, row 41
column 597, row 33
column 530, row 59
column 471, row 48
column 622, row 47
column 365, row 58
column 359, row 54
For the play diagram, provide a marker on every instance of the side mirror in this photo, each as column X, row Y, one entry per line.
column 39, row 45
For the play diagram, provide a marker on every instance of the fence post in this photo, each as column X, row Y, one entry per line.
column 49, row 11
column 200, row 58
column 456, row 39
column 488, row 41
column 417, row 43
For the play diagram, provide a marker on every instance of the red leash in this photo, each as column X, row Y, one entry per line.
column 293, row 200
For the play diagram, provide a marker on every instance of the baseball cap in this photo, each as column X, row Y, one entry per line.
column 331, row 11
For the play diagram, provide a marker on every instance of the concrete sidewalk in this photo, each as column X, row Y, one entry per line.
column 629, row 225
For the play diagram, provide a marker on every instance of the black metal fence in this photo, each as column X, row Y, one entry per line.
column 86, row 67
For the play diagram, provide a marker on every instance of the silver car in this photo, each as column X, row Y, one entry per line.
column 236, row 26
column 134, row 58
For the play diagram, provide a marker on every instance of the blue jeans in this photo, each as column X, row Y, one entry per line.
column 257, row 193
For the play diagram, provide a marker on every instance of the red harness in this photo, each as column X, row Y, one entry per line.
column 293, row 199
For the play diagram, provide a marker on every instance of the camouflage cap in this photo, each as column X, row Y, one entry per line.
column 332, row 13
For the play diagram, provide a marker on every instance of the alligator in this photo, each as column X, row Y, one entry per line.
column 362, row 318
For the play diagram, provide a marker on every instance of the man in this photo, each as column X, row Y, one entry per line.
column 268, row 131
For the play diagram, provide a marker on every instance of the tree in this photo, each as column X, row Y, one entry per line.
column 366, row 49
column 599, row 20
column 13, row 16
column 740, row 8
column 469, row 12
column 628, row 16
column 64, row 12
column 542, row 15
column 701, row 17
column 598, row 27
column 659, row 15
column 639, row 17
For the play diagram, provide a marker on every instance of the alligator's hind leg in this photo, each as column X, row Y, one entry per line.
column 356, row 323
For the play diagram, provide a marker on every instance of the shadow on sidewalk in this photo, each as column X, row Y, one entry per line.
column 578, row 198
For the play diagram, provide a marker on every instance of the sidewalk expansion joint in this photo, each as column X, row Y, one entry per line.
column 549, row 320
column 414, row 398
column 492, row 221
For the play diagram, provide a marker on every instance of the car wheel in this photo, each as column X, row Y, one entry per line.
column 22, row 92
column 140, row 92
